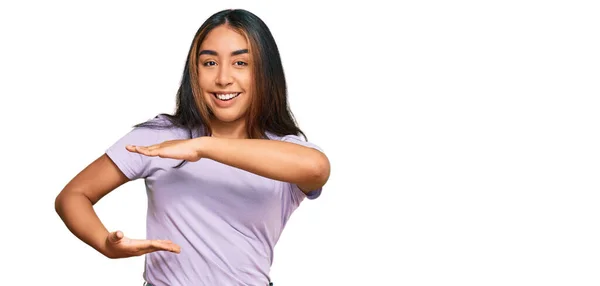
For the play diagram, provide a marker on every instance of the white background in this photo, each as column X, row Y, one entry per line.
column 463, row 135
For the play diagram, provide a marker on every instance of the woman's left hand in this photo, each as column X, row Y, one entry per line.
column 185, row 149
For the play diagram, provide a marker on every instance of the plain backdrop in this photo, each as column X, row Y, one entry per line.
column 463, row 135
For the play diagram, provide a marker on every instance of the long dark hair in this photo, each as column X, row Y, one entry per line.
column 269, row 110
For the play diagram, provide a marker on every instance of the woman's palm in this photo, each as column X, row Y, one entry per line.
column 120, row 246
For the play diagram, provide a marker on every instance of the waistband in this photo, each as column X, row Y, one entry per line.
column 148, row 284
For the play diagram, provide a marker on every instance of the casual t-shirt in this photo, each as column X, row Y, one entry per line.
column 226, row 220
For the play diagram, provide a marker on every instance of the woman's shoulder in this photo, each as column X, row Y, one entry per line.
column 165, row 126
column 158, row 122
column 285, row 137
column 152, row 131
column 294, row 138
column 155, row 130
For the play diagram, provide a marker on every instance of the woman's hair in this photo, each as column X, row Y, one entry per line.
column 268, row 110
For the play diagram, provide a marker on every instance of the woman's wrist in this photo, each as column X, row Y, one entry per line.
column 203, row 146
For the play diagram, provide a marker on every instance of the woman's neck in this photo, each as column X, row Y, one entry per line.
column 232, row 130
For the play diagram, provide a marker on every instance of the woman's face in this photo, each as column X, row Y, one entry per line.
column 225, row 73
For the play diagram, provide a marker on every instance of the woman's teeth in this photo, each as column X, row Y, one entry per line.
column 226, row 96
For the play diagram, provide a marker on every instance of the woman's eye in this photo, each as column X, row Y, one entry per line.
column 240, row 63
column 209, row 63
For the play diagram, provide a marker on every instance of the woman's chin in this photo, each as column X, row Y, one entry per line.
column 227, row 117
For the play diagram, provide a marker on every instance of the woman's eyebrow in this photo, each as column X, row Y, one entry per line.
column 214, row 53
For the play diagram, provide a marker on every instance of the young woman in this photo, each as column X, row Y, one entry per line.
column 223, row 173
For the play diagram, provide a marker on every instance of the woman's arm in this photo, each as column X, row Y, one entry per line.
column 278, row 160
column 75, row 202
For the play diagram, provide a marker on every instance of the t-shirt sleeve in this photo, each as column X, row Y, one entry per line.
column 133, row 165
column 313, row 194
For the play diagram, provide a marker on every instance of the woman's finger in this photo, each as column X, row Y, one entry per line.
column 159, row 245
column 115, row 236
column 164, row 241
column 144, row 246
column 153, row 147
column 146, row 151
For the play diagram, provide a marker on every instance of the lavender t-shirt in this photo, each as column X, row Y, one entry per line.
column 226, row 220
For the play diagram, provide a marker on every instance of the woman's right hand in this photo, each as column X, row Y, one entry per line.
column 119, row 246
